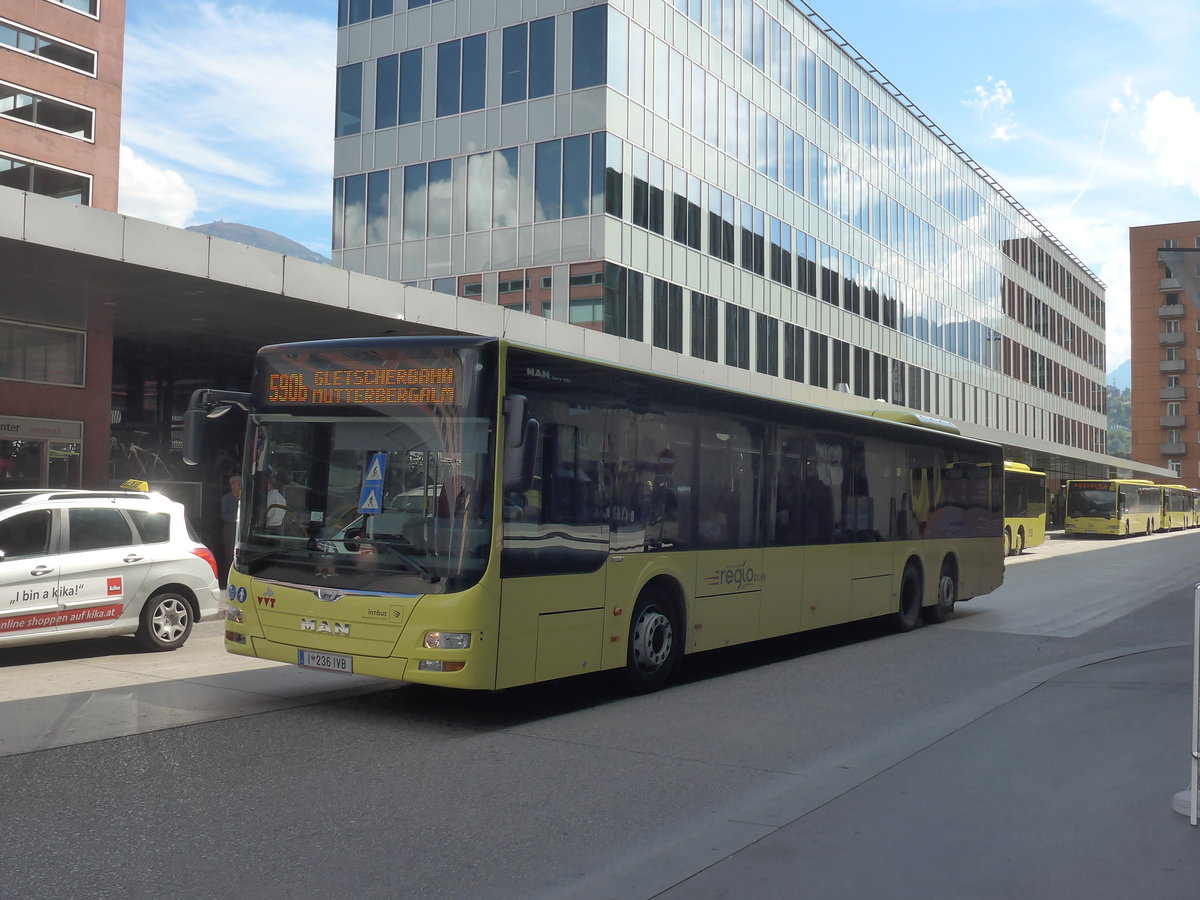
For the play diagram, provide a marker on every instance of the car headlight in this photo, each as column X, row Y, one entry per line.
column 447, row 640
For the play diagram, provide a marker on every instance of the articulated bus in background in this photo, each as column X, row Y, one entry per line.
column 470, row 513
column 1177, row 506
column 1113, row 506
column 1024, row 507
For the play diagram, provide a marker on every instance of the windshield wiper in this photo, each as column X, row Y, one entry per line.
column 409, row 560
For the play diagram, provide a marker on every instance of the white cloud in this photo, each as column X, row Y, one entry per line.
column 1170, row 134
column 995, row 97
column 153, row 192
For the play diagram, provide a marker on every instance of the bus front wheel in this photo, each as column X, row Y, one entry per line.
column 905, row 618
column 655, row 643
column 1008, row 542
column 1020, row 541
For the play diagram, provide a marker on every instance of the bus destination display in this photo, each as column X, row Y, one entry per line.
column 377, row 386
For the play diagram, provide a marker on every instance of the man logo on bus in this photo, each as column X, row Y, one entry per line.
column 739, row 576
column 324, row 626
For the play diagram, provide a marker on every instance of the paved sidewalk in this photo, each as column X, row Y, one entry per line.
column 1057, row 785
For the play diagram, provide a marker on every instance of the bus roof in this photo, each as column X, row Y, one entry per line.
column 1011, row 465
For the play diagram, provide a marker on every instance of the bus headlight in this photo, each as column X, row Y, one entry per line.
column 447, row 640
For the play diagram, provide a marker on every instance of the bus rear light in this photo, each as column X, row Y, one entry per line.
column 440, row 665
column 447, row 640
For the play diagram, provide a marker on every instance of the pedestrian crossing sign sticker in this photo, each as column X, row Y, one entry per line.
column 371, row 498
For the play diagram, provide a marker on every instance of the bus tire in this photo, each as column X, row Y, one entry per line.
column 906, row 617
column 1020, row 541
column 1008, row 544
column 655, row 643
column 947, row 596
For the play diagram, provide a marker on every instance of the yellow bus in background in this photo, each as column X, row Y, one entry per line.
column 1117, row 507
column 471, row 513
column 1177, row 507
column 1024, row 508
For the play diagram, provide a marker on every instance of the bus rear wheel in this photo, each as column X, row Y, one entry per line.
column 655, row 643
column 947, row 596
column 905, row 618
column 1008, row 545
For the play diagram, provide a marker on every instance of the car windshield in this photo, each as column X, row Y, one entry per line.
column 354, row 479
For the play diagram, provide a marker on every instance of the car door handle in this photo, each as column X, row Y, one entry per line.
column 132, row 558
column 41, row 570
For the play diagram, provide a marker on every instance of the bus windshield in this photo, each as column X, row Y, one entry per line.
column 1093, row 501
column 388, row 497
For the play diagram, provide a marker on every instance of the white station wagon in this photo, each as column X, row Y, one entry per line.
column 85, row 564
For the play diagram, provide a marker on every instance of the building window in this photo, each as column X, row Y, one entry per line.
column 1173, row 381
column 50, row 182
column 1174, row 409
column 704, row 327
column 51, row 49
column 87, row 7
column 589, row 47
column 461, row 75
column 39, row 354
column 1176, row 466
column 737, row 336
column 668, row 316
column 349, row 100
column 398, row 89
column 46, row 112
column 766, row 344
column 793, row 352
column 818, row 359
column 528, row 61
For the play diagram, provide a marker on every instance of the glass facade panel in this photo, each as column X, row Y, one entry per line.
column 541, row 57
column 449, row 73
column 547, row 174
column 410, row 87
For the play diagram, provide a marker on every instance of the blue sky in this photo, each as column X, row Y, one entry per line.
column 1084, row 110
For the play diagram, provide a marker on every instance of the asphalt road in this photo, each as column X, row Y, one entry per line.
column 208, row 781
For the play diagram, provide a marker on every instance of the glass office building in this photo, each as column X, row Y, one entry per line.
column 728, row 180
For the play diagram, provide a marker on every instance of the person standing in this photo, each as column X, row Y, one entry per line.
column 229, row 513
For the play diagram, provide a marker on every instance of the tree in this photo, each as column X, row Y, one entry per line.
column 1120, row 429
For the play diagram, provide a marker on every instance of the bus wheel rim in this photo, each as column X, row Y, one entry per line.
column 946, row 592
column 652, row 640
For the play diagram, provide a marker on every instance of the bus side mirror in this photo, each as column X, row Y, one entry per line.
column 520, row 445
column 193, row 435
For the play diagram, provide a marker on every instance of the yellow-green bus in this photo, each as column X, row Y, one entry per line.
column 471, row 513
column 1177, row 506
column 1024, row 507
column 1117, row 507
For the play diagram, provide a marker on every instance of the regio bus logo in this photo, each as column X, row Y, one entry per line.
column 324, row 626
column 739, row 576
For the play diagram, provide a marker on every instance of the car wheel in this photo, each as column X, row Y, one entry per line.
column 655, row 643
column 166, row 621
column 905, row 618
column 946, row 598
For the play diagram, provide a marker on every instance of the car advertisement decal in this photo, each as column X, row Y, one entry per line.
column 61, row 617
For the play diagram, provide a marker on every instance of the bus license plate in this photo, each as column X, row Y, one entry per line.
column 330, row 662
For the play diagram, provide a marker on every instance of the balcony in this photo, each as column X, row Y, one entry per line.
column 1172, row 421
column 1172, row 393
column 1172, row 365
column 1170, row 338
column 1174, row 450
column 1169, row 284
column 1171, row 311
